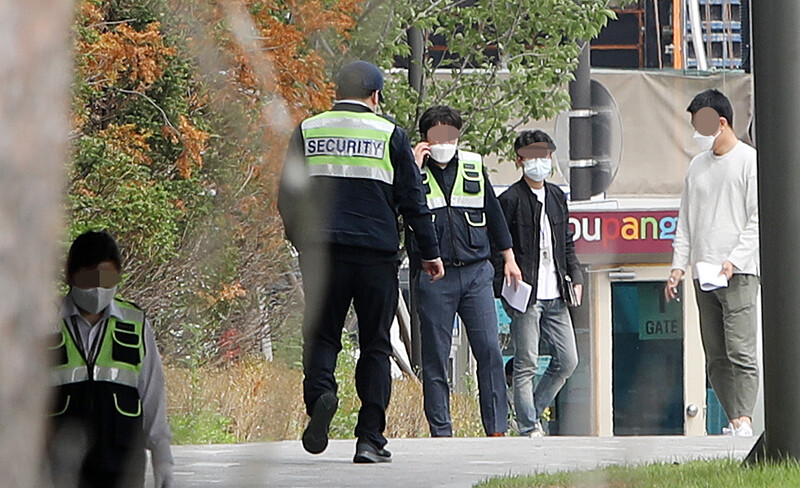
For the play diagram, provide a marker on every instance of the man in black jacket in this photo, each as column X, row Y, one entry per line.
column 538, row 218
column 348, row 173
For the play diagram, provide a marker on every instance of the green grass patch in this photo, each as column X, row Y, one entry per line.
column 204, row 427
column 696, row 474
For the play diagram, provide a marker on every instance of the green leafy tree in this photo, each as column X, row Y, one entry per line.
column 506, row 63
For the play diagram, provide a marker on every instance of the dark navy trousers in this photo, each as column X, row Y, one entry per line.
column 466, row 290
column 330, row 287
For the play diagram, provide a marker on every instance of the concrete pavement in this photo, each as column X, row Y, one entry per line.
column 457, row 462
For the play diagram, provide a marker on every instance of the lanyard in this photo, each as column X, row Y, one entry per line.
column 76, row 336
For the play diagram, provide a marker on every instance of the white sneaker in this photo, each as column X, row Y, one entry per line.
column 537, row 431
column 744, row 430
column 729, row 430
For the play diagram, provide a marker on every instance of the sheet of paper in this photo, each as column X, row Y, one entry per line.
column 518, row 299
column 709, row 277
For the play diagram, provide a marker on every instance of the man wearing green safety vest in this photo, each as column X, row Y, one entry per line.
column 468, row 218
column 348, row 173
column 109, row 403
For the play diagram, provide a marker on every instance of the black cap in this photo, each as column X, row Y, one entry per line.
column 358, row 79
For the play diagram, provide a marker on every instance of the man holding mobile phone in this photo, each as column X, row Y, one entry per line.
column 467, row 217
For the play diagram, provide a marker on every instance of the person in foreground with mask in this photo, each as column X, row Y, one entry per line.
column 538, row 218
column 468, row 218
column 718, row 231
column 110, row 402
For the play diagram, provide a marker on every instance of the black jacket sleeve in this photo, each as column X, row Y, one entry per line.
column 409, row 194
column 573, row 264
column 508, row 206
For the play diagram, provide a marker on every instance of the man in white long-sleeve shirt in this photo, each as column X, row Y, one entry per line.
column 110, row 402
column 718, row 230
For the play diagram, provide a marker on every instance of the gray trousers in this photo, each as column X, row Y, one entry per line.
column 728, row 326
column 466, row 290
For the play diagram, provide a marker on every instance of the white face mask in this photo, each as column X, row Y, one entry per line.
column 443, row 153
column 706, row 143
column 538, row 169
column 93, row 300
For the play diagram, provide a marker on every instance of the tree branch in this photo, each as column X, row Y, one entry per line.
column 153, row 103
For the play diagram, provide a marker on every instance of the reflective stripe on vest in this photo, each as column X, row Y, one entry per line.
column 435, row 196
column 127, row 332
column 348, row 145
column 470, row 169
column 113, row 375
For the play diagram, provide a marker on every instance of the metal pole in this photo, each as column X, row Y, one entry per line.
column 657, row 10
column 745, row 10
column 697, row 35
column 416, row 43
column 580, row 129
column 777, row 95
column 416, row 331
column 677, row 34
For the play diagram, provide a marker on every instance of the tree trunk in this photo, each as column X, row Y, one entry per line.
column 34, row 124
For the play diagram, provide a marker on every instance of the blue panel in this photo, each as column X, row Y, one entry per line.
column 715, row 415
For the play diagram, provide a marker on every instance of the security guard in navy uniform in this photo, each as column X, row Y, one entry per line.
column 348, row 173
column 468, row 217
column 110, row 403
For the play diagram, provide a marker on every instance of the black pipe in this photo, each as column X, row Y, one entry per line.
column 746, row 58
column 580, row 130
column 417, row 44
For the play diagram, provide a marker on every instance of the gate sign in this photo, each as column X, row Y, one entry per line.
column 619, row 234
column 657, row 318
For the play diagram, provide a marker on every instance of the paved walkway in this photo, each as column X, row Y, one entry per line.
column 459, row 462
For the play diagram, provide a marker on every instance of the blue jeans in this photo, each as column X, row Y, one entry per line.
column 549, row 319
column 466, row 290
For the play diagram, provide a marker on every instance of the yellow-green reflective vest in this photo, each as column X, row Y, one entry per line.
column 468, row 189
column 348, row 145
column 102, row 397
column 119, row 359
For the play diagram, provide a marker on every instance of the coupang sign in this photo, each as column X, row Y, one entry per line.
column 624, row 236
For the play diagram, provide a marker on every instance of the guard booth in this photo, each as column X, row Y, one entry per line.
column 642, row 366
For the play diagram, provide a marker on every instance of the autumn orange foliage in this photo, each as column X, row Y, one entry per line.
column 300, row 74
column 204, row 113
column 194, row 142
column 125, row 52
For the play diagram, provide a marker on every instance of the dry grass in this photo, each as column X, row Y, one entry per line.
column 263, row 401
column 406, row 417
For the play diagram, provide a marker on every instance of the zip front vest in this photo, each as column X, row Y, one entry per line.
column 461, row 225
column 468, row 188
column 101, row 396
column 348, row 145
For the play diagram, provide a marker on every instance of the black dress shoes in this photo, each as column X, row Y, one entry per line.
column 315, row 437
column 367, row 453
